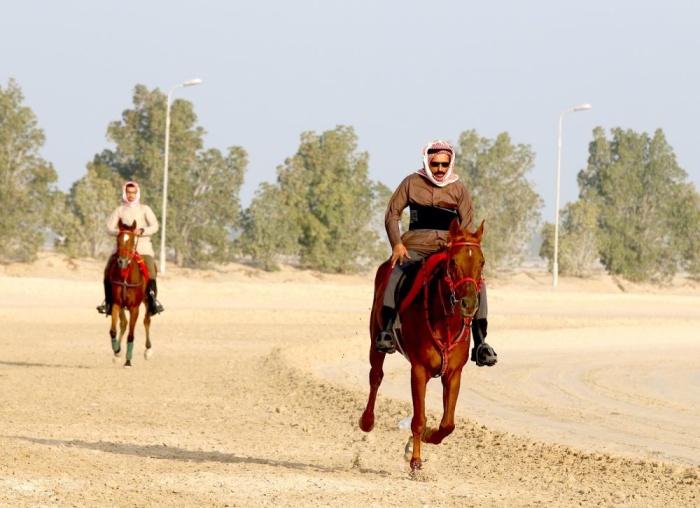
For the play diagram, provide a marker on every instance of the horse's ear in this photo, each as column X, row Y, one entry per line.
column 455, row 230
column 480, row 232
column 133, row 225
column 121, row 224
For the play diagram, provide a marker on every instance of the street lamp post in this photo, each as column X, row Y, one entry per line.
column 191, row 82
column 555, row 264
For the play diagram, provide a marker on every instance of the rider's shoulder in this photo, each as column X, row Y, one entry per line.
column 145, row 208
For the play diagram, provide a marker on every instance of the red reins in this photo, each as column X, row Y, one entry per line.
column 444, row 347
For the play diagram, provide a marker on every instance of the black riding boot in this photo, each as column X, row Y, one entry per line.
column 482, row 353
column 106, row 306
column 154, row 306
column 384, row 343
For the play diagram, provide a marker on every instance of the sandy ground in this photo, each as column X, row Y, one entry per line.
column 257, row 381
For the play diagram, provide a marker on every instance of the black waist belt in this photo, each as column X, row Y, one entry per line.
column 431, row 217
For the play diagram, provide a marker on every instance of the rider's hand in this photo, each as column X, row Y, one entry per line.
column 141, row 231
column 398, row 253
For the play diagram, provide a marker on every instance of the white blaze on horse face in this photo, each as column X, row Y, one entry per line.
column 126, row 237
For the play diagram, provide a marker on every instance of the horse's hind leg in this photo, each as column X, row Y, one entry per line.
column 147, row 325
column 376, row 374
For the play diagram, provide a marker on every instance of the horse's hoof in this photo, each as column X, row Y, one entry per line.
column 364, row 426
column 148, row 354
column 416, row 465
column 127, row 365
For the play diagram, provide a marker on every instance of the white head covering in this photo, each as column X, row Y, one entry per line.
column 429, row 152
column 138, row 194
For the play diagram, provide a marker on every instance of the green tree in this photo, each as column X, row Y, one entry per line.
column 382, row 196
column 27, row 182
column 325, row 189
column 685, row 220
column 204, row 207
column 89, row 203
column 495, row 172
column 267, row 231
column 203, row 185
column 636, row 184
column 578, row 244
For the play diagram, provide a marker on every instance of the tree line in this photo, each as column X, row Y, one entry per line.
column 637, row 215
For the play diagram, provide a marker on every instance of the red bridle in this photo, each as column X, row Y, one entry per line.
column 129, row 254
column 448, row 277
column 450, row 343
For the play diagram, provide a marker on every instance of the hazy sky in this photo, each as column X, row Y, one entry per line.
column 400, row 72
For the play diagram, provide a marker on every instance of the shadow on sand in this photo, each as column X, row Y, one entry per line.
column 175, row 453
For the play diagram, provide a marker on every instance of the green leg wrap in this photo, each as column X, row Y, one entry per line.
column 129, row 350
column 115, row 345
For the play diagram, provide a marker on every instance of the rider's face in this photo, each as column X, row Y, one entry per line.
column 131, row 193
column 439, row 165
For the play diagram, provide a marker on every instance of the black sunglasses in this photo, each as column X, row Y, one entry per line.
column 438, row 164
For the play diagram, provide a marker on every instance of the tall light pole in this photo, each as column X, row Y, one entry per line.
column 191, row 82
column 555, row 265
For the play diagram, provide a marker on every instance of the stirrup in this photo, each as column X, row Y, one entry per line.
column 385, row 343
column 155, row 307
column 483, row 354
column 105, row 309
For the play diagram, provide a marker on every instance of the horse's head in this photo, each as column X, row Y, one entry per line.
column 126, row 244
column 465, row 263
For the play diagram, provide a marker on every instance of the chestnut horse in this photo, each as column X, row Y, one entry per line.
column 435, row 331
column 128, row 277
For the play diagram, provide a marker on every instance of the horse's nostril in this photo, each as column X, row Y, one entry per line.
column 468, row 306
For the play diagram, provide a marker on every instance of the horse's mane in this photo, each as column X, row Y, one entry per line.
column 430, row 265
column 425, row 273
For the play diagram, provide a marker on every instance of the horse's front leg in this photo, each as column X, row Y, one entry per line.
column 376, row 374
column 122, row 326
column 116, row 343
column 419, row 382
column 133, row 317
column 147, row 325
column 450, row 392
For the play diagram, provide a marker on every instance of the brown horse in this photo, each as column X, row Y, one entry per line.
column 435, row 323
column 128, row 277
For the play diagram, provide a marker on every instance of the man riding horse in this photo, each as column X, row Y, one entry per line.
column 435, row 196
column 146, row 226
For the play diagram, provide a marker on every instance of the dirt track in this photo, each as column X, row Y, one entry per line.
column 257, row 382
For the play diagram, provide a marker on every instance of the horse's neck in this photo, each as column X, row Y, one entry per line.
column 432, row 264
column 441, row 307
